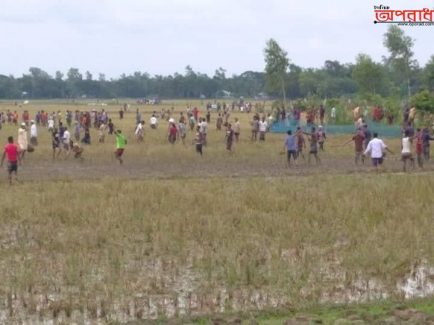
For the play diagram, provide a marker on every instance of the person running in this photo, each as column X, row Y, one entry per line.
column 313, row 150
column 66, row 140
column 140, row 131
column 367, row 134
column 229, row 137
column 33, row 133
column 181, row 118
column 237, row 129
column 77, row 150
column 22, row 141
column 77, row 128
column 219, row 122
column 333, row 114
column 203, row 125
column 55, row 143
column 198, row 141
column 419, row 147
column 426, row 139
column 138, row 117
column 101, row 132
column 406, row 150
column 173, row 132
column 321, row 114
column 263, row 128
column 61, row 129
column 290, row 146
column 182, row 130
column 50, row 124
column 153, row 122
column 301, row 142
column 255, row 127
column 86, row 137
column 12, row 152
column 376, row 147
column 321, row 137
column 111, row 127
column 192, row 122
column 121, row 141
column 358, row 138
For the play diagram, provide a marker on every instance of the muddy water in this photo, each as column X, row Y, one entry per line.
column 185, row 299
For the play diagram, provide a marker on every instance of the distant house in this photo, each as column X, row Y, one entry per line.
column 223, row 94
column 262, row 96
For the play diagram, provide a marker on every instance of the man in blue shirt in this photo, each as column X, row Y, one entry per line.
column 290, row 146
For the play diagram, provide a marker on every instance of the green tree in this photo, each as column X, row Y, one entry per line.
column 276, row 66
column 428, row 74
column 400, row 60
column 74, row 74
column 220, row 78
column 59, row 76
column 293, row 81
column 336, row 79
column 423, row 101
column 73, row 82
column 310, row 82
column 369, row 75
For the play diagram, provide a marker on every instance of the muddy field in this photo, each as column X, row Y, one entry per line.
column 196, row 166
column 173, row 235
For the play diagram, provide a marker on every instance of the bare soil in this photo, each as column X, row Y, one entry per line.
column 231, row 166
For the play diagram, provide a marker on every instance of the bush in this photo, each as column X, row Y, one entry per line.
column 423, row 101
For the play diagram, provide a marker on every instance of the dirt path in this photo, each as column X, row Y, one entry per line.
column 206, row 167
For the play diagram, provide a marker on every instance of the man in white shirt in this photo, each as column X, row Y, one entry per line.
column 203, row 130
column 333, row 114
column 22, row 140
column 50, row 124
column 263, row 126
column 140, row 131
column 153, row 122
column 66, row 141
column 376, row 147
column 33, row 133
column 406, row 150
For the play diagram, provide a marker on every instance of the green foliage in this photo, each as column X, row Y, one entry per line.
column 423, row 101
column 369, row 76
column 276, row 66
column 397, row 76
column 398, row 44
column 371, row 100
column 400, row 60
column 310, row 81
column 428, row 74
column 393, row 105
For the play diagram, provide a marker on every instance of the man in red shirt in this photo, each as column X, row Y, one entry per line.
column 419, row 147
column 173, row 132
column 12, row 152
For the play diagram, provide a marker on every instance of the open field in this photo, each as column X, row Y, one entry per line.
column 156, row 158
column 172, row 235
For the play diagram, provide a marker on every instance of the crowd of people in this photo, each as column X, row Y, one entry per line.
column 365, row 142
column 70, row 132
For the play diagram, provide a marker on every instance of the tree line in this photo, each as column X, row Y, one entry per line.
column 398, row 75
column 396, row 81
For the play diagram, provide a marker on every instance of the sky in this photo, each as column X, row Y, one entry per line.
column 164, row 36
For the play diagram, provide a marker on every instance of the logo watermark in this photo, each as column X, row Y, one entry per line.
column 414, row 17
